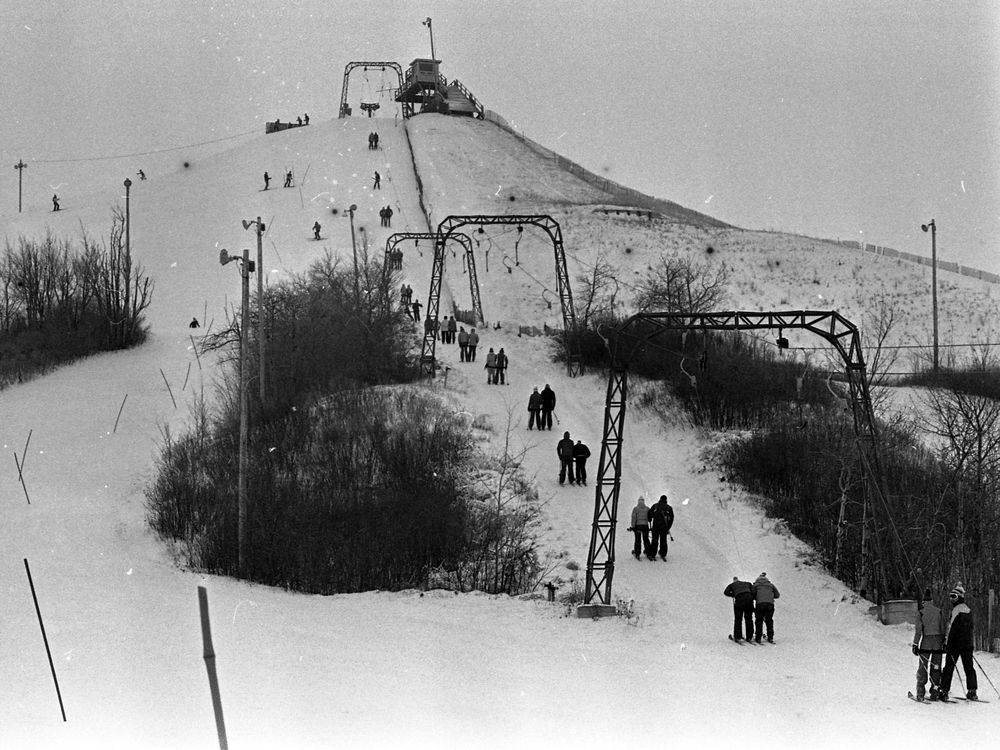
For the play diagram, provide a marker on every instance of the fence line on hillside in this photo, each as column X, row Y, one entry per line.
column 634, row 198
column 625, row 196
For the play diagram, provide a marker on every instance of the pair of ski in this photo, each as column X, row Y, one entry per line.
column 741, row 641
column 957, row 698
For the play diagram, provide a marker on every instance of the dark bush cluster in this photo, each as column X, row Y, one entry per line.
column 59, row 302
column 355, row 482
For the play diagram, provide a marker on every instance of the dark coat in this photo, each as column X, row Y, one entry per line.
column 661, row 516
column 960, row 629
column 565, row 449
column 581, row 452
column 548, row 399
column 535, row 401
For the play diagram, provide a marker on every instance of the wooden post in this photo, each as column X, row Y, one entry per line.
column 991, row 640
column 213, row 677
column 20, row 167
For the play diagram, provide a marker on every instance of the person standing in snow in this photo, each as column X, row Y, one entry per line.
column 267, row 180
column 661, row 517
column 564, row 449
column 288, row 178
column 305, row 118
column 463, row 344
column 375, row 141
column 416, row 309
column 548, row 406
column 316, row 229
column 580, row 455
column 452, row 329
column 55, row 202
column 958, row 644
column 640, row 528
column 499, row 375
column 377, row 184
column 534, row 408
column 490, row 366
column 388, row 223
column 742, row 594
column 473, row 343
column 928, row 644
column 764, row 594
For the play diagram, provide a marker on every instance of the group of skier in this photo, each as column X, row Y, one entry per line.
column 572, row 459
column 651, row 528
column 750, row 599
column 287, row 183
column 496, row 367
column 935, row 636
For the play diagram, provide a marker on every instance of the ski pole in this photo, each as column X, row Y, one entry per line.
column 986, row 675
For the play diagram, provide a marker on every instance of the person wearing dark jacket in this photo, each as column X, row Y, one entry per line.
column 640, row 527
column 928, row 644
column 580, row 455
column 742, row 594
column 564, row 449
column 958, row 644
column 548, row 406
column 661, row 518
column 764, row 594
column 534, row 409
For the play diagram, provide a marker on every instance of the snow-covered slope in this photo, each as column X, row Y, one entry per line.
column 410, row 669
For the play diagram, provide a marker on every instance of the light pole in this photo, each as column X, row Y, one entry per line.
column 20, row 167
column 246, row 268
column 933, row 230
column 430, row 28
column 260, row 300
column 128, row 248
column 354, row 248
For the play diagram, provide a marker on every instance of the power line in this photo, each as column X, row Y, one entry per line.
column 141, row 153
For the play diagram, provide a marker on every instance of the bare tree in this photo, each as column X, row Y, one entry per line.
column 880, row 317
column 598, row 292
column 682, row 285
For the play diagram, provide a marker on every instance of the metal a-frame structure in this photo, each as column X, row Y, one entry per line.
column 551, row 227
column 633, row 334
column 470, row 262
column 365, row 64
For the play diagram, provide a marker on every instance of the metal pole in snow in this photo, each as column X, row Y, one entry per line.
column 45, row 639
column 213, row 678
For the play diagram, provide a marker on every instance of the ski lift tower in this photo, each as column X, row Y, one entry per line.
column 423, row 85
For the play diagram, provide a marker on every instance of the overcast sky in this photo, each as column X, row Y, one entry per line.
column 845, row 119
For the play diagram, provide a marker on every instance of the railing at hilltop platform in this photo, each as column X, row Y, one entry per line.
column 277, row 126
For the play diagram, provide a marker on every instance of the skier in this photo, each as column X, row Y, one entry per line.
column 580, row 455
column 742, row 594
column 473, row 343
column 388, row 223
column 267, row 180
column 499, row 378
column 490, row 366
column 305, row 118
column 298, row 121
column 55, row 202
column 548, row 406
column 534, row 407
column 958, row 644
column 377, row 185
column 764, row 594
column 640, row 528
column 288, row 178
column 463, row 344
column 375, row 140
column 142, row 175
column 381, row 216
column 194, row 323
column 444, row 330
column 564, row 449
column 661, row 517
column 928, row 644
column 316, row 229
column 453, row 329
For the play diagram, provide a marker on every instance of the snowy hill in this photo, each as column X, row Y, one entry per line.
column 414, row 669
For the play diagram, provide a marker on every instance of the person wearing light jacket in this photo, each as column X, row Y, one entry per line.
column 928, row 644
column 764, row 594
column 958, row 644
column 639, row 526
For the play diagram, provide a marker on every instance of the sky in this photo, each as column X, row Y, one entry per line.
column 851, row 120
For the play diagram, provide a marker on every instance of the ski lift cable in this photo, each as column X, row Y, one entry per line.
column 142, row 153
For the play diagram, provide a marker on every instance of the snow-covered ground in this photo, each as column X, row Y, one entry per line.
column 422, row 669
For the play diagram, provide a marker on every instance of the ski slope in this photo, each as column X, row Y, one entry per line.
column 417, row 669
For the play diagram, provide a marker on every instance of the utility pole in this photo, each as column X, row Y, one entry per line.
column 934, row 306
column 430, row 28
column 246, row 268
column 354, row 247
column 260, row 303
column 20, row 167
